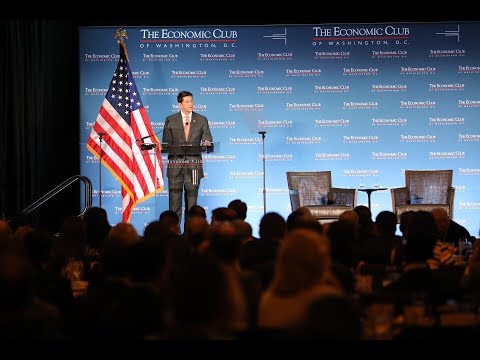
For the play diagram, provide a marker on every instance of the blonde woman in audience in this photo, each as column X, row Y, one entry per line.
column 302, row 275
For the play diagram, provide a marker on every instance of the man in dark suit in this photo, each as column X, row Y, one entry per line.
column 448, row 230
column 184, row 132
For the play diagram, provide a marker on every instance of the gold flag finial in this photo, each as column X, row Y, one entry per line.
column 122, row 33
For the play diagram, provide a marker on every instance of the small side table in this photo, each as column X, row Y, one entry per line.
column 369, row 192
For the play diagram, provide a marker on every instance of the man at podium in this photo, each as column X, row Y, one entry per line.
column 184, row 135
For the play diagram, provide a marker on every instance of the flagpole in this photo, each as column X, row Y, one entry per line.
column 263, row 161
column 100, row 135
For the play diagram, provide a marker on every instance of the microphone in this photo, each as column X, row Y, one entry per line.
column 143, row 138
column 144, row 146
column 147, row 136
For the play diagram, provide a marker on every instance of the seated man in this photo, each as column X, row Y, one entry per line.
column 448, row 230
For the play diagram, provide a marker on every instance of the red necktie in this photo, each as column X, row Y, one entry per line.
column 186, row 127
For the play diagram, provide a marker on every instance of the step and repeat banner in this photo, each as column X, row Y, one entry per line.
column 366, row 101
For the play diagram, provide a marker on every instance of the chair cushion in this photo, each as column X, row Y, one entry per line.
column 327, row 211
column 400, row 209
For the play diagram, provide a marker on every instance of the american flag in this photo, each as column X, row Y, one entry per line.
column 123, row 125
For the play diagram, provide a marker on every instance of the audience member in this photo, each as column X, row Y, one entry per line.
column 240, row 207
column 49, row 283
column 365, row 220
column 377, row 248
column 225, row 244
column 302, row 218
column 223, row 214
column 244, row 230
column 97, row 228
column 259, row 255
column 302, row 275
column 23, row 316
column 349, row 216
column 6, row 236
column 171, row 221
column 197, row 210
column 342, row 236
column 334, row 318
column 92, row 315
column 398, row 253
column 69, row 254
column 139, row 310
column 449, row 231
column 417, row 280
column 196, row 233
column 201, row 303
column 448, row 234
column 177, row 248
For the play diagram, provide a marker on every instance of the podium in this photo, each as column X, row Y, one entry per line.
column 181, row 149
column 186, row 157
column 187, row 149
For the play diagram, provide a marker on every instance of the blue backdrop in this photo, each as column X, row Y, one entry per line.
column 366, row 101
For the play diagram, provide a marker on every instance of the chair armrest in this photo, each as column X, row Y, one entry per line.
column 343, row 196
column 399, row 196
column 294, row 199
column 450, row 199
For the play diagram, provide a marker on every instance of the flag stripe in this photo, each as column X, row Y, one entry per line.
column 116, row 166
column 143, row 158
column 140, row 178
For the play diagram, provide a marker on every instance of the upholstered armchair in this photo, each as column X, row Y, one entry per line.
column 424, row 190
column 313, row 190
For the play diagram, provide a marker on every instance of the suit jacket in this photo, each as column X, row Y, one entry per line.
column 173, row 134
column 456, row 232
